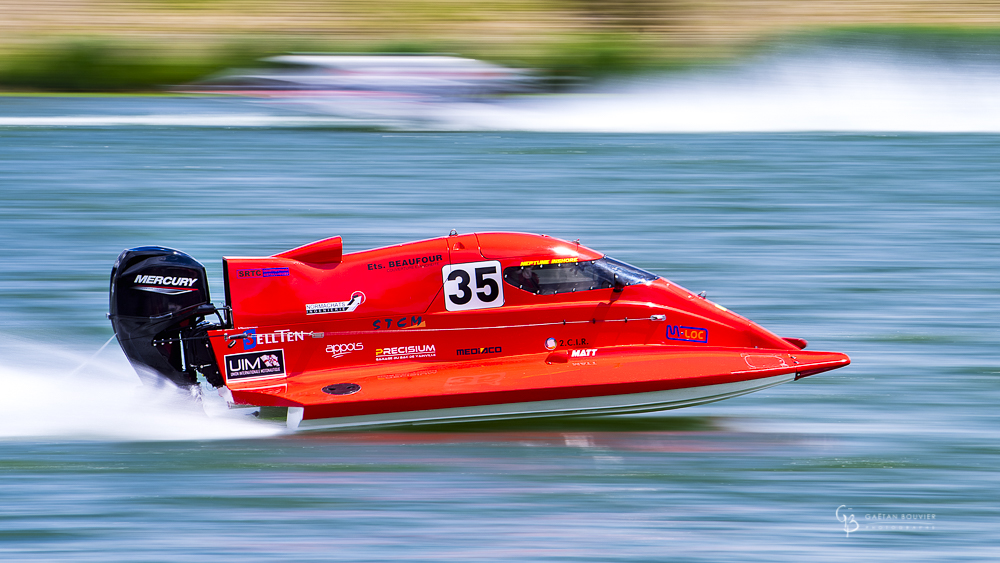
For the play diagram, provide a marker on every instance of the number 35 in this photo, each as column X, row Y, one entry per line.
column 474, row 285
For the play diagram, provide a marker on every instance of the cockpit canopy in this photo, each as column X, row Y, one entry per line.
column 549, row 277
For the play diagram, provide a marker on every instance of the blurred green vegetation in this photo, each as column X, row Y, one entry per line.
column 110, row 66
column 617, row 48
column 113, row 66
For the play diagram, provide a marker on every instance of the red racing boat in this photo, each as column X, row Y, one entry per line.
column 466, row 327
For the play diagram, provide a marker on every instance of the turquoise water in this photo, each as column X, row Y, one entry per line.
column 883, row 246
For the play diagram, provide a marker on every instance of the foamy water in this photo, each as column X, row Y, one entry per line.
column 816, row 92
column 54, row 394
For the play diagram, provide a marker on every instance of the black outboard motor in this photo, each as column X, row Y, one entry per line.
column 159, row 301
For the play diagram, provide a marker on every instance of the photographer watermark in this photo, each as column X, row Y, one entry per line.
column 884, row 521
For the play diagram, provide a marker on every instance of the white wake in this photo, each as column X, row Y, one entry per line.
column 822, row 91
column 47, row 395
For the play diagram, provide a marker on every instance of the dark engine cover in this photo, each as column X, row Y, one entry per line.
column 158, row 298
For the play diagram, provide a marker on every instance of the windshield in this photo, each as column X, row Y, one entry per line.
column 569, row 277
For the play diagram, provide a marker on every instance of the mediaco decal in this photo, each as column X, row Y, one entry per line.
column 478, row 351
column 357, row 298
column 341, row 350
column 266, row 363
column 584, row 353
column 405, row 352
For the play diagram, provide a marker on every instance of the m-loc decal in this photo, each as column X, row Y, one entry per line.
column 357, row 298
column 687, row 333
column 266, row 363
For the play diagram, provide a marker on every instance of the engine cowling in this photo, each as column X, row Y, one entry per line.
column 158, row 303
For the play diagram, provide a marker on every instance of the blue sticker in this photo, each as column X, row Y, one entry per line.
column 687, row 333
column 251, row 342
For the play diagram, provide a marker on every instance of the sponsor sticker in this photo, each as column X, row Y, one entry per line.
column 474, row 285
column 166, row 280
column 408, row 375
column 466, row 381
column 478, row 351
column 164, row 285
column 263, row 273
column 341, row 350
column 279, row 336
column 357, row 298
column 687, row 333
column 549, row 261
column 583, row 353
column 405, row 352
column 266, row 363
column 407, row 263
column 413, row 321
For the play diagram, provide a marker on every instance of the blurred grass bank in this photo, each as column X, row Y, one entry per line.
column 142, row 45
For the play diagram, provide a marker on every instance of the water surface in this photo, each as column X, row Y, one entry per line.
column 883, row 246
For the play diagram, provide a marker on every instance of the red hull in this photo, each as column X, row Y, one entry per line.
column 480, row 322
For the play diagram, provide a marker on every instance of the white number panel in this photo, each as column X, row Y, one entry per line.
column 474, row 285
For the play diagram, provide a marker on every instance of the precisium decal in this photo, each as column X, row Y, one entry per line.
column 405, row 352
column 357, row 298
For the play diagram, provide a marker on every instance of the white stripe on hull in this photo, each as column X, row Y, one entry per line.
column 607, row 404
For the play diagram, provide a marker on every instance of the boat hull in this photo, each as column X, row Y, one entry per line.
column 620, row 380
column 630, row 403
